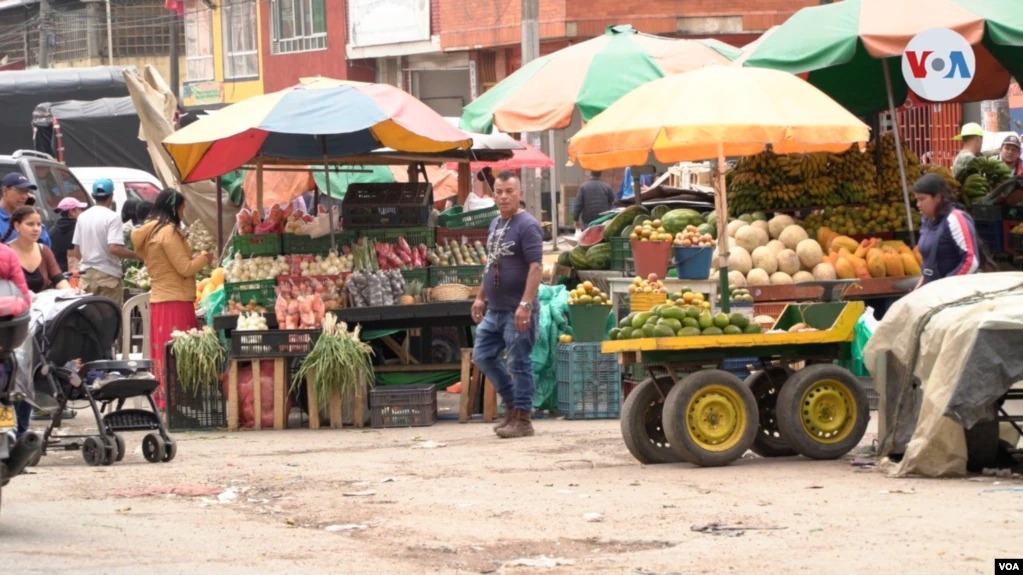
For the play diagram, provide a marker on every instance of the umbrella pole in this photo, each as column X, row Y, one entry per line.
column 898, row 151
column 220, row 220
column 259, row 188
column 330, row 205
column 554, row 193
column 721, row 205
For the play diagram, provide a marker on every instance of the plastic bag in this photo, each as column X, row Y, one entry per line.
column 552, row 322
column 861, row 335
column 212, row 305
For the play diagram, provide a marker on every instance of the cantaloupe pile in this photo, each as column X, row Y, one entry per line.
column 775, row 252
column 870, row 258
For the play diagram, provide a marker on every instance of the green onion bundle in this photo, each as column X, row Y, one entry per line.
column 340, row 361
column 198, row 358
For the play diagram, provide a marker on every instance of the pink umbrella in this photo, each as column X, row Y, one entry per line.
column 528, row 157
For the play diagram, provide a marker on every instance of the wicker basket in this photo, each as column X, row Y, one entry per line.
column 450, row 292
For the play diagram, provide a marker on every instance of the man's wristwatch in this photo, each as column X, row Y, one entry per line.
column 526, row 304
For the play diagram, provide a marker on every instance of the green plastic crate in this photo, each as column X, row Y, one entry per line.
column 621, row 255
column 421, row 274
column 257, row 245
column 589, row 383
column 299, row 244
column 457, row 218
column 262, row 291
column 414, row 236
column 471, row 276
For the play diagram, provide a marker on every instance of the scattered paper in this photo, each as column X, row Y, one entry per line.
column 909, row 491
column 388, row 480
column 228, row 496
column 345, row 527
column 431, row 444
column 365, row 493
column 541, row 561
column 593, row 517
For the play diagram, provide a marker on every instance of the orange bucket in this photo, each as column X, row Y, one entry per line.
column 651, row 258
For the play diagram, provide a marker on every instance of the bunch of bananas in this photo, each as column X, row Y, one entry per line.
column 888, row 181
column 982, row 175
column 854, row 170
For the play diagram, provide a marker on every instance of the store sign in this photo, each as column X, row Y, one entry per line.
column 378, row 22
column 202, row 94
column 938, row 64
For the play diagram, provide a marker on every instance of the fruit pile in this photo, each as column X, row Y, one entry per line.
column 650, row 231
column 888, row 180
column 671, row 320
column 457, row 254
column 686, row 297
column 588, row 294
column 692, row 238
column 652, row 284
column 1018, row 229
column 738, row 295
column 861, row 220
column 981, row 176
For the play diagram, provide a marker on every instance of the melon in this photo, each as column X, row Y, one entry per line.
column 792, row 235
column 788, row 262
column 734, row 226
column 765, row 259
column 762, row 225
column 802, row 276
column 592, row 236
column 751, row 238
column 714, row 256
column 775, row 246
column 781, row 278
column 758, row 277
column 736, row 279
column 777, row 224
column 740, row 260
column 810, row 253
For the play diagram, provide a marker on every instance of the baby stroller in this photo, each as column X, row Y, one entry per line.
column 74, row 351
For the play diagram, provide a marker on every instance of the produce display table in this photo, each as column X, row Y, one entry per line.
column 861, row 290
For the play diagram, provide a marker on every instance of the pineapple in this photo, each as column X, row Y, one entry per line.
column 413, row 293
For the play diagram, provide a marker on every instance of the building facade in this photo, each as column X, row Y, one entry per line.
column 223, row 55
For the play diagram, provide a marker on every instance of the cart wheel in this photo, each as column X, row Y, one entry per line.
column 171, row 451
column 822, row 411
column 110, row 446
column 710, row 418
column 94, row 451
column 119, row 440
column 765, row 386
column 154, row 448
column 642, row 428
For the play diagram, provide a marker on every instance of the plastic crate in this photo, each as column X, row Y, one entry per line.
column 471, row 276
column 769, row 309
column 987, row 212
column 589, row 382
column 621, row 255
column 273, row 343
column 469, row 235
column 628, row 384
column 456, row 218
column 640, row 302
column 1013, row 243
column 299, row 244
column 414, row 236
column 873, row 397
column 396, row 204
column 992, row 234
column 262, row 291
column 421, row 274
column 203, row 411
column 739, row 366
column 257, row 245
column 403, row 406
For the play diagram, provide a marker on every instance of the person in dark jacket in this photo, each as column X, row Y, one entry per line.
column 949, row 244
column 594, row 198
column 60, row 238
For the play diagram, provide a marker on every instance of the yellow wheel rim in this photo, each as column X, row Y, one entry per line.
column 716, row 418
column 828, row 411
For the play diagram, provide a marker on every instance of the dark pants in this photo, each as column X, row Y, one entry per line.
column 23, row 413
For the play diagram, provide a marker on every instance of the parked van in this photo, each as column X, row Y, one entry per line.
column 128, row 183
column 53, row 179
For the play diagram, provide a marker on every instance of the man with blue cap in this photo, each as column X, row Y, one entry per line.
column 99, row 241
column 16, row 191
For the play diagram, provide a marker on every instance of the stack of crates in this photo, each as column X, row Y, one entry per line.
column 589, row 382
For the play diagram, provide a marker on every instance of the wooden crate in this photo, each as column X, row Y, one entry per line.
column 280, row 392
column 335, row 407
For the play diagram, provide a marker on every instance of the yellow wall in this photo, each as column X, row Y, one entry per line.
column 229, row 91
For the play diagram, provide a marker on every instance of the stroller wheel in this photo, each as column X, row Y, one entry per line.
column 119, row 441
column 172, row 450
column 154, row 449
column 94, row 451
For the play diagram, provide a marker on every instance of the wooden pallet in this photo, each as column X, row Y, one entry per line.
column 280, row 392
column 335, row 406
column 472, row 378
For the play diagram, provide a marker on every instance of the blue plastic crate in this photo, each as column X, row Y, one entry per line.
column 589, row 382
column 739, row 366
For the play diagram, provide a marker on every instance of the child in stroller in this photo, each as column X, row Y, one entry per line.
column 74, row 339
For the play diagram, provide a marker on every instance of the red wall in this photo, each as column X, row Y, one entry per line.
column 283, row 70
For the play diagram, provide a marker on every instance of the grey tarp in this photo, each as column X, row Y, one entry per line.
column 103, row 132
column 156, row 104
column 959, row 338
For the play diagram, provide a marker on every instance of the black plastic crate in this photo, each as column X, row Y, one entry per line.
column 387, row 205
column 273, row 343
column 202, row 411
column 403, row 405
column 992, row 234
column 988, row 212
column 1015, row 242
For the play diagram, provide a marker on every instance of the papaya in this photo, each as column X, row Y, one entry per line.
column 893, row 264
column 824, row 235
column 873, row 252
column 896, row 245
column 910, row 264
column 844, row 268
column 846, row 252
column 844, row 242
column 865, row 246
column 876, row 266
column 860, row 266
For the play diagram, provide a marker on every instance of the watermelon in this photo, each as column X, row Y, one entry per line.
column 598, row 257
column 676, row 221
column 578, row 258
column 707, row 229
column 638, row 220
column 659, row 211
column 623, row 220
column 565, row 259
column 591, row 236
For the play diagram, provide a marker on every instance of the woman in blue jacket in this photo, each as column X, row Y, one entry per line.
column 949, row 244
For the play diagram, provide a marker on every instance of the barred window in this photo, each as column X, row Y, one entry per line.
column 298, row 26
column 241, row 49
column 198, row 41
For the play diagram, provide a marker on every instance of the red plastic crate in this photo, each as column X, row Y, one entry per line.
column 769, row 309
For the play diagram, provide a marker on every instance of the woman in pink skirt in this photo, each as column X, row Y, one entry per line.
column 161, row 244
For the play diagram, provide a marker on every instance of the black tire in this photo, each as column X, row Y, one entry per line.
column 119, row 440
column 727, row 410
column 154, row 449
column 823, row 394
column 766, row 385
column 642, row 429
column 171, row 451
column 94, row 451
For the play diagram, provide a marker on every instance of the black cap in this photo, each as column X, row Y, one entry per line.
column 1012, row 140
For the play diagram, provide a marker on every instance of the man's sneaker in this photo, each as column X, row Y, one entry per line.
column 520, row 426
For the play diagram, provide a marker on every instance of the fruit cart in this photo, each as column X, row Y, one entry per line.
column 796, row 401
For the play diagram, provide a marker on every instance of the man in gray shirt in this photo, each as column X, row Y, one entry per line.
column 594, row 198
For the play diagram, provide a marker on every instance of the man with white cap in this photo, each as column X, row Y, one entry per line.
column 972, row 137
column 64, row 231
column 1009, row 154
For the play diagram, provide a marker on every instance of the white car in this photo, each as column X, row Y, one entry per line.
column 128, row 183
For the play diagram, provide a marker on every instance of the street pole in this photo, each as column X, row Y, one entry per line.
column 175, row 53
column 531, row 51
column 44, row 33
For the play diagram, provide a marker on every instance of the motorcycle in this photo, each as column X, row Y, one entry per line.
column 16, row 453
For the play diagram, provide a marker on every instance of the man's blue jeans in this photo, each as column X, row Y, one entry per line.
column 495, row 335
